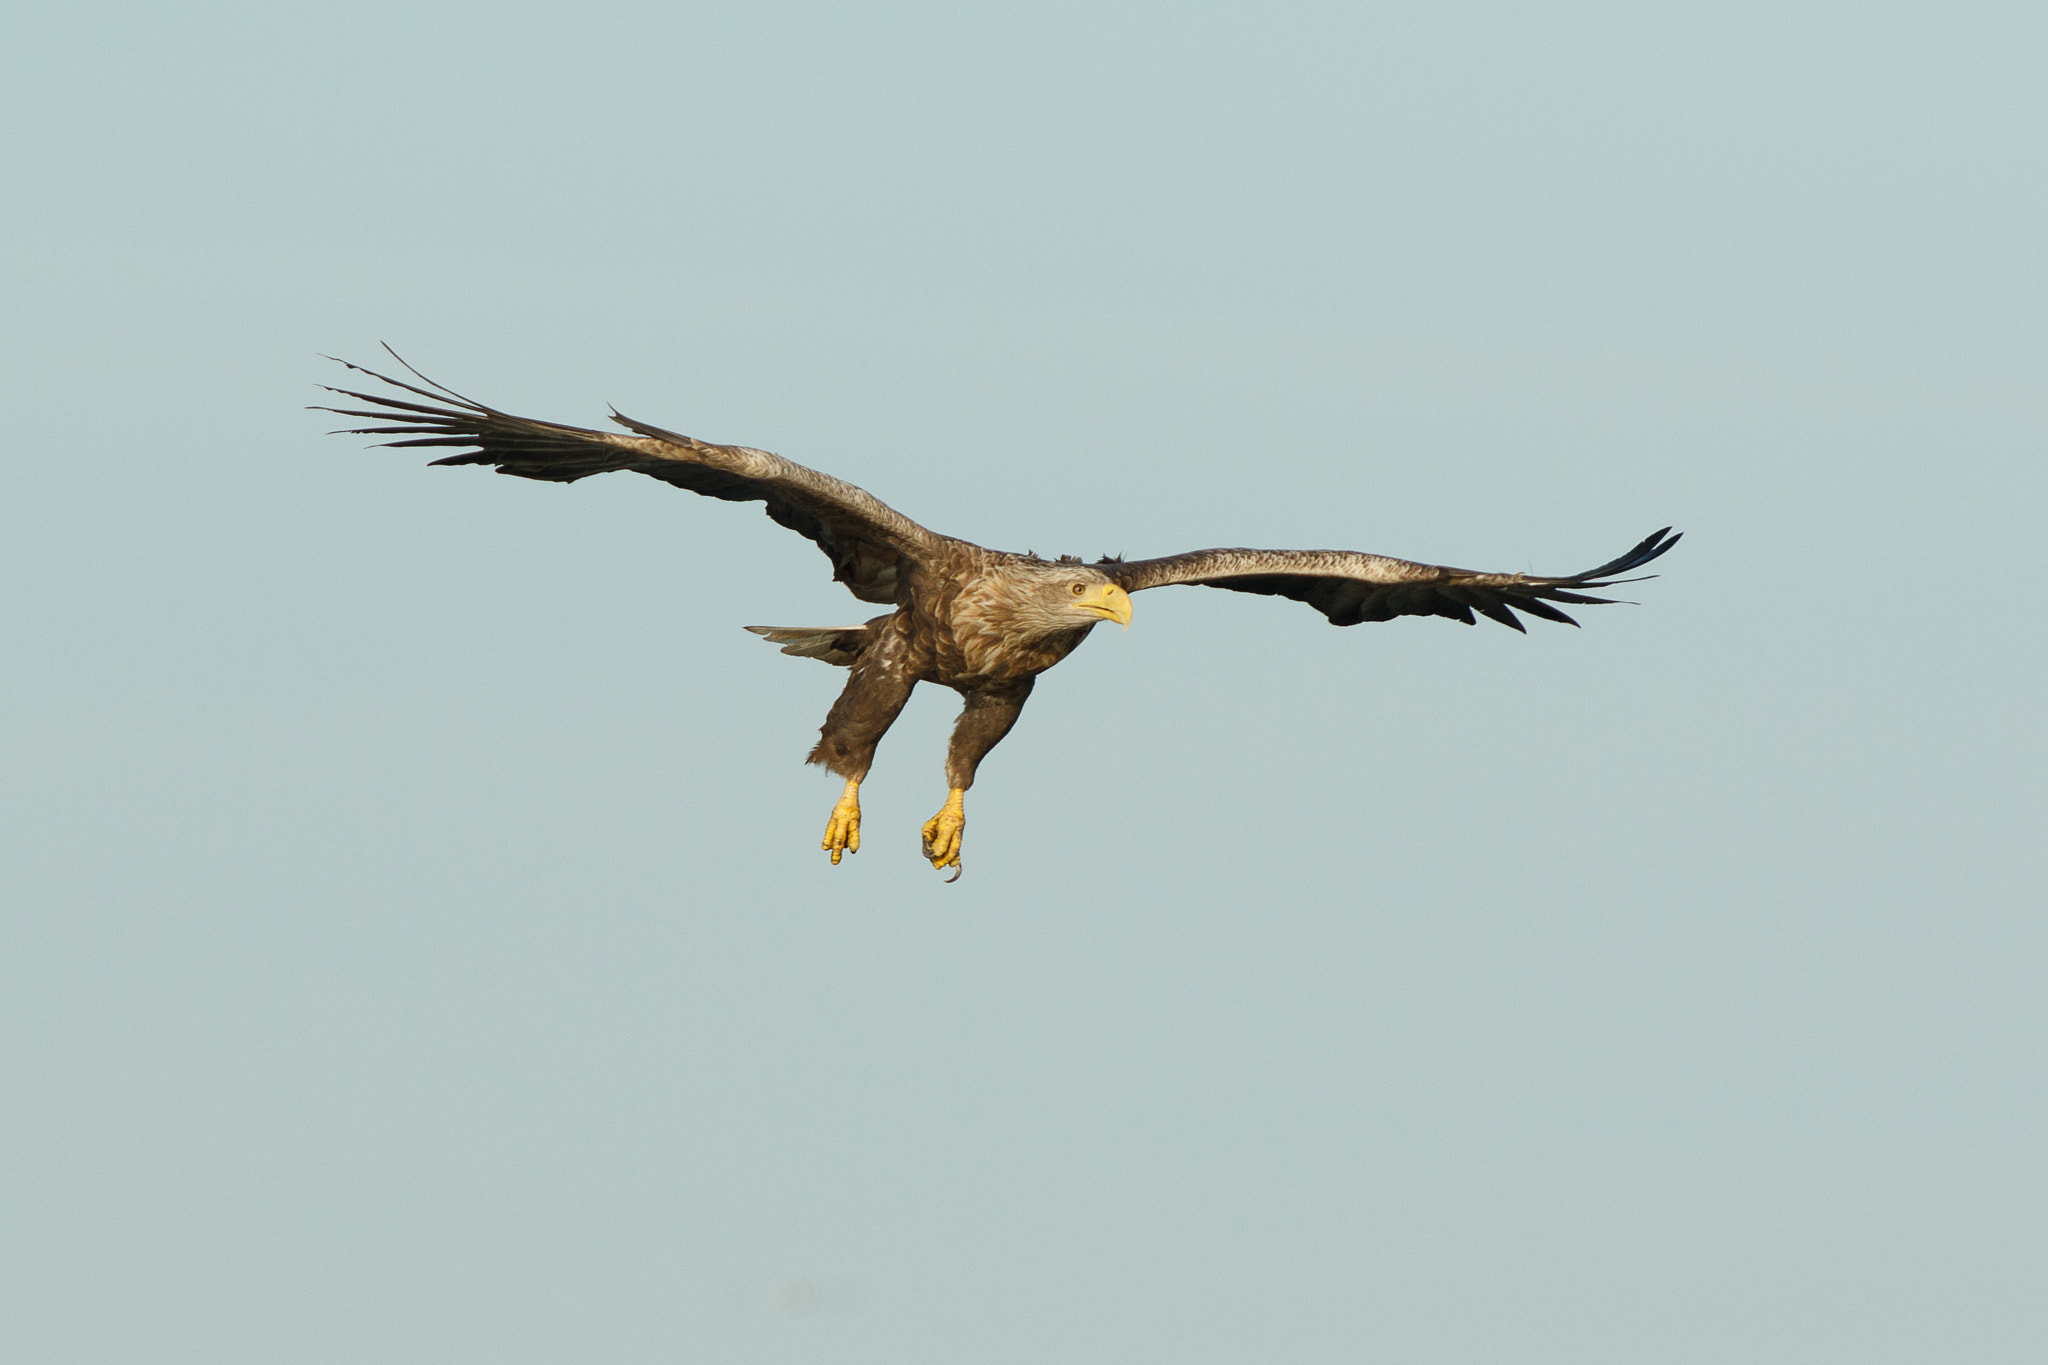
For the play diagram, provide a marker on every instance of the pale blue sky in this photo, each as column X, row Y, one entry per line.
column 416, row 946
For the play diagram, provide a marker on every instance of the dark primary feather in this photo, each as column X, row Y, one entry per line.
column 1349, row 587
column 868, row 542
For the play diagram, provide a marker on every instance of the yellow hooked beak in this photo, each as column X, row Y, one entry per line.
column 1106, row 602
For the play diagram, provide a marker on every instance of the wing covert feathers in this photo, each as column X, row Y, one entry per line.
column 868, row 541
column 1349, row 587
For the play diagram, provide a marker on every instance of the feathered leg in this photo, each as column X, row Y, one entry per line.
column 984, row 720
column 874, row 696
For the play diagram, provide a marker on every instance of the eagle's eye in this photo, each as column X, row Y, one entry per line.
column 1078, row 590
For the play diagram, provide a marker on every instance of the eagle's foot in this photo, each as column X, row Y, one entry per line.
column 942, row 833
column 842, row 831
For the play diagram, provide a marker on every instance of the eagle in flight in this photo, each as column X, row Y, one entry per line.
column 983, row 622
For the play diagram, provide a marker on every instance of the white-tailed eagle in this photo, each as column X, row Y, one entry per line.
column 983, row 622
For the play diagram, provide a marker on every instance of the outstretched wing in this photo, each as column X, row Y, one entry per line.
column 868, row 542
column 1349, row 587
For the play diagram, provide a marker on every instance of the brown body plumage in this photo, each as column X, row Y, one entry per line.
column 982, row 622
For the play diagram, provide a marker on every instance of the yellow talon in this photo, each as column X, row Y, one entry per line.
column 942, row 832
column 842, row 831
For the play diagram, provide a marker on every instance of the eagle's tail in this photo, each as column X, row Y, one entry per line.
column 836, row 645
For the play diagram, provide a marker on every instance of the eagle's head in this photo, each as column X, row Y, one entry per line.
column 1071, row 596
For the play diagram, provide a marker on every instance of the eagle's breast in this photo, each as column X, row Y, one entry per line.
column 980, row 636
